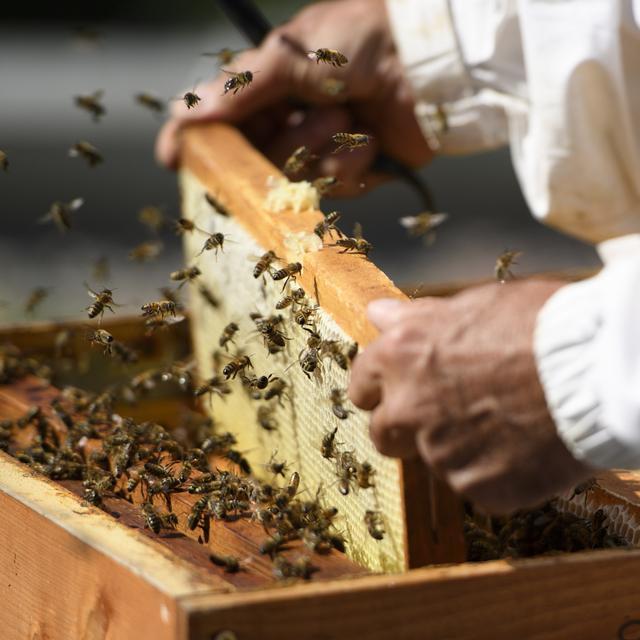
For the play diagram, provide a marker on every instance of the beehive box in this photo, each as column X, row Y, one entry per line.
column 72, row 571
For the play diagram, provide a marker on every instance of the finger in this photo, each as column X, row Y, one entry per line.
column 365, row 390
column 313, row 131
column 167, row 144
column 384, row 312
column 391, row 436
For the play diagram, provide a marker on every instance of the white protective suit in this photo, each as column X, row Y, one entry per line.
column 558, row 80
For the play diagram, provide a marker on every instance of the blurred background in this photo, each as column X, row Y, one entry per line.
column 141, row 45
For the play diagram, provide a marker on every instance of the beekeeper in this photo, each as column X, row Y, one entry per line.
column 510, row 393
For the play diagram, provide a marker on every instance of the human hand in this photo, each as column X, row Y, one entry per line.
column 377, row 98
column 454, row 381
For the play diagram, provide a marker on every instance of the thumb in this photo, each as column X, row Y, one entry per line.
column 384, row 312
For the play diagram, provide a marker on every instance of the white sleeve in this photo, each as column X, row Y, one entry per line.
column 587, row 347
column 559, row 80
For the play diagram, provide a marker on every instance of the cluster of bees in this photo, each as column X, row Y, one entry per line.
column 543, row 531
column 83, row 439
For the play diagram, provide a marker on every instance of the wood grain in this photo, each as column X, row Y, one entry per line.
column 236, row 175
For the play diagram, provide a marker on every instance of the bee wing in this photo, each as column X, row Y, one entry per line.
column 98, row 94
column 231, row 73
column 407, row 221
column 438, row 218
column 76, row 204
column 73, row 152
column 90, row 291
column 357, row 231
column 47, row 217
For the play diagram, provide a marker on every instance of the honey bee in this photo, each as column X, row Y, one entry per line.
column 274, row 338
column 124, row 353
column 208, row 296
column 155, row 521
column 276, row 389
column 584, row 488
column 325, row 185
column 213, row 385
column 146, row 251
column 213, row 202
column 160, row 308
column 332, row 87
column 288, row 272
column 265, row 418
column 152, row 217
column 295, row 298
column 264, row 263
column 375, row 524
column 346, row 470
column 328, row 56
column 337, row 404
column 185, row 275
column 102, row 338
column 35, row 299
column 328, row 225
column 215, row 241
column 4, row 160
column 298, row 161
column 227, row 335
column 328, row 446
column 504, row 263
column 275, row 467
column 236, row 366
column 357, row 244
column 237, row 81
column 191, row 99
column 101, row 270
column 258, row 383
column 60, row 213
column 309, row 358
column 102, row 300
column 150, row 102
column 231, row 564
column 333, row 349
column 223, row 56
column 184, row 225
column 87, row 151
column 350, row 141
column 364, row 473
column 91, row 103
column 304, row 315
column 284, row 569
column 423, row 224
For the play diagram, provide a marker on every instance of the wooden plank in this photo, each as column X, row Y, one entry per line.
column 591, row 596
column 236, row 175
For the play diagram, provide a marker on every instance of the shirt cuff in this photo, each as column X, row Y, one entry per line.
column 566, row 349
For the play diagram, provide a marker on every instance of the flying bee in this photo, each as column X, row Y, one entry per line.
column 216, row 205
column 150, row 102
column 228, row 334
column 350, row 141
column 102, row 300
column 170, row 294
column 328, row 446
column 357, row 244
column 328, row 56
column 423, row 225
column 375, row 524
column 191, row 99
column 152, row 217
column 146, row 251
column 337, row 404
column 237, row 81
column 264, row 263
column 208, row 297
column 184, row 225
column 87, row 151
column 325, row 185
column 35, row 299
column 60, row 213
column 214, row 242
column 295, row 298
column 102, row 338
column 213, row 385
column 328, row 225
column 185, row 275
column 231, row 564
column 298, row 161
column 288, row 272
column 124, row 353
column 364, row 474
column 332, row 87
column 224, row 56
column 276, row 389
column 265, row 418
column 236, row 366
column 504, row 263
column 4, row 160
column 91, row 103
column 160, row 308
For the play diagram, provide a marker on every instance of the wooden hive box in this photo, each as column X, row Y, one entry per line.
column 69, row 570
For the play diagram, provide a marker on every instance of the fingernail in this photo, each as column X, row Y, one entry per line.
column 379, row 310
